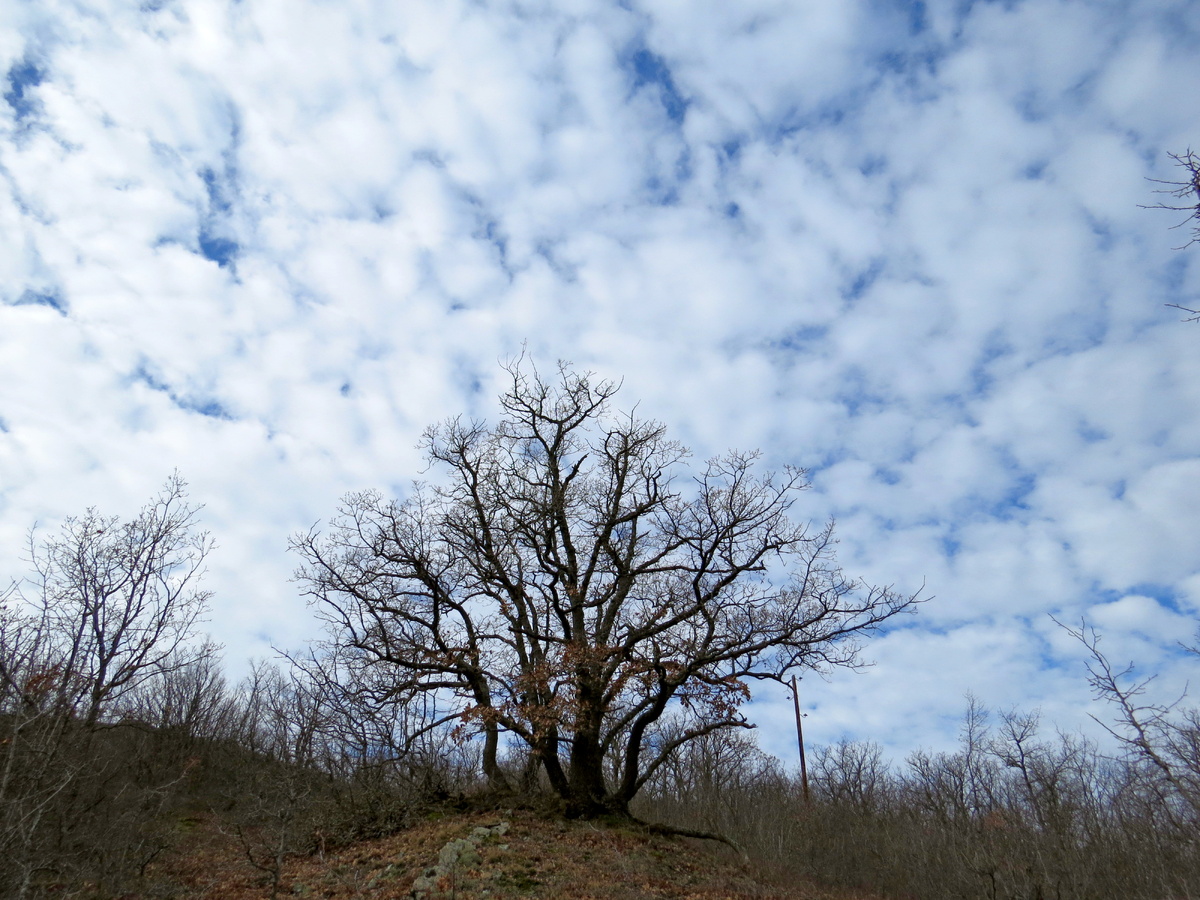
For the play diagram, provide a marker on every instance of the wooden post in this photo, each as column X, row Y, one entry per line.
column 800, row 740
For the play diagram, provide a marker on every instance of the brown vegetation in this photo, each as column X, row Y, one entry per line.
column 1014, row 813
column 539, row 856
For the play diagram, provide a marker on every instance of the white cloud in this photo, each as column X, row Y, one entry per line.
column 282, row 238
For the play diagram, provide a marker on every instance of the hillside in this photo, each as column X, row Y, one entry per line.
column 510, row 854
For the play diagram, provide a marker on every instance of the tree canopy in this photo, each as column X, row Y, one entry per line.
column 569, row 578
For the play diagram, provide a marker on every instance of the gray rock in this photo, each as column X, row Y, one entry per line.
column 457, row 855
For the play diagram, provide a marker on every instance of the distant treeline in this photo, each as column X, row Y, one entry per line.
column 1013, row 813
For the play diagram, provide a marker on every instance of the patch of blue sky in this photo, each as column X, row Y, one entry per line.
column 857, row 398
column 913, row 67
column 215, row 237
column 873, row 164
column 1164, row 595
column 167, row 155
column 1092, row 434
column 565, row 270
column 468, row 377
column 1009, row 504
column 995, row 347
column 431, row 156
column 728, row 156
column 908, row 46
column 1031, row 105
column 51, row 298
column 1168, row 597
column 221, row 250
column 962, row 9
column 380, row 210
column 205, row 407
column 1173, row 278
column 219, row 188
column 1180, row 27
column 796, row 120
column 648, row 70
column 661, row 192
column 888, row 475
column 1102, row 232
column 373, row 348
column 1077, row 96
column 683, row 165
column 805, row 339
column 1078, row 333
column 914, row 13
column 401, row 490
column 950, row 544
column 822, row 457
column 143, row 374
column 1050, row 659
column 1035, row 171
column 22, row 78
column 1159, row 439
column 863, row 280
column 489, row 229
column 4, row 429
column 31, row 211
column 429, row 278
column 662, row 184
column 209, row 407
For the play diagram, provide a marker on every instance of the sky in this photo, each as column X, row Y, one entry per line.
column 267, row 242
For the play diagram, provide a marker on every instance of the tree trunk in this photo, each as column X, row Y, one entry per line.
column 547, row 752
column 491, row 767
column 587, row 794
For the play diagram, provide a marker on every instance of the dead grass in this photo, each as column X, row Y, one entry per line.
column 539, row 857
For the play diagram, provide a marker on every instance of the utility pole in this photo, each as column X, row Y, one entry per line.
column 800, row 740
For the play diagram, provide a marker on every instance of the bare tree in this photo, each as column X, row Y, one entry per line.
column 1164, row 739
column 1185, row 197
column 112, row 606
column 188, row 705
column 121, row 598
column 35, row 771
column 276, row 800
column 1185, row 194
column 571, row 580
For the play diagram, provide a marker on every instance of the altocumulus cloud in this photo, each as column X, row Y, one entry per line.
column 267, row 242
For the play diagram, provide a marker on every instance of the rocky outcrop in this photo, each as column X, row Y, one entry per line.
column 455, row 862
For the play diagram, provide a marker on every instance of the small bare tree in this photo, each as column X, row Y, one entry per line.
column 1162, row 739
column 564, row 584
column 121, row 598
column 111, row 607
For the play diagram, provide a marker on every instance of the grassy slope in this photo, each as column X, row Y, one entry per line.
column 539, row 857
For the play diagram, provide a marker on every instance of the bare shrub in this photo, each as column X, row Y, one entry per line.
column 1013, row 812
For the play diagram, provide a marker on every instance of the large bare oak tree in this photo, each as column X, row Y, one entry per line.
column 567, row 577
